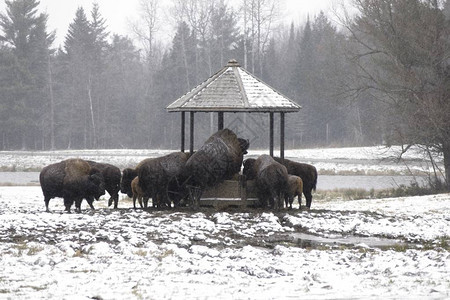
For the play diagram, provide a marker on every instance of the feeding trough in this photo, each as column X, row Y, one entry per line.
column 231, row 90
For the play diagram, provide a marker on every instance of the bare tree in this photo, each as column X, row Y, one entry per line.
column 145, row 29
column 147, row 26
column 402, row 50
column 260, row 17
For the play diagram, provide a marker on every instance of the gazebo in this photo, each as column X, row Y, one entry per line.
column 231, row 90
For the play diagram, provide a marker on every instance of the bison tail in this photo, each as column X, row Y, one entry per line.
column 315, row 180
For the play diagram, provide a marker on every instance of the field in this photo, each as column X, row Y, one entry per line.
column 370, row 248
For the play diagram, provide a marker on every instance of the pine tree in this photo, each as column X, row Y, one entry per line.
column 224, row 33
column 25, row 34
column 85, row 46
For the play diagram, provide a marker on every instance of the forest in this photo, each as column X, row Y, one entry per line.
column 377, row 75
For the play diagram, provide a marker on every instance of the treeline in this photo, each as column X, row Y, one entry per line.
column 356, row 83
column 102, row 90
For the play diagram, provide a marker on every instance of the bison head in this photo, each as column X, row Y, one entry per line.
column 125, row 184
column 249, row 168
column 96, row 185
column 244, row 145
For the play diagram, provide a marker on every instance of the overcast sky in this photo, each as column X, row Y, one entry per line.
column 119, row 13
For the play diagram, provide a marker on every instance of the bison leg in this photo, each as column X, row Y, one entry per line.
column 278, row 201
column 308, row 197
column 289, row 201
column 90, row 201
column 299, row 201
column 114, row 198
column 143, row 199
column 78, row 205
column 47, row 200
column 134, row 201
column 68, row 204
column 165, row 196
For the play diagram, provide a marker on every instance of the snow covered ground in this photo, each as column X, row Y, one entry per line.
column 356, row 160
column 396, row 248
column 383, row 248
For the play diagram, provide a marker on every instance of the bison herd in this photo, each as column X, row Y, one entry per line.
column 170, row 179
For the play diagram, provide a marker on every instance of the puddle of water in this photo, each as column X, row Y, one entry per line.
column 305, row 240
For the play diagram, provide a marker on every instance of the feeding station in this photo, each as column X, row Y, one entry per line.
column 233, row 90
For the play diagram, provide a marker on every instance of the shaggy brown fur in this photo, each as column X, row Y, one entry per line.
column 73, row 180
column 306, row 172
column 138, row 193
column 128, row 175
column 111, row 175
column 295, row 188
column 218, row 159
column 271, row 180
column 156, row 174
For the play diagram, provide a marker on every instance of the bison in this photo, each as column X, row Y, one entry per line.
column 295, row 188
column 217, row 160
column 111, row 175
column 271, row 180
column 138, row 193
column 72, row 180
column 128, row 175
column 157, row 174
column 306, row 172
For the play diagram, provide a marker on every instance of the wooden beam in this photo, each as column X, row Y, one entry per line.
column 271, row 133
column 282, row 123
column 183, row 121
column 191, row 144
column 220, row 120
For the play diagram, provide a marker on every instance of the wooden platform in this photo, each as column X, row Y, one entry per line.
column 237, row 192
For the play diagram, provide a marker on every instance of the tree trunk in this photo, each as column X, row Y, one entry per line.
column 245, row 35
column 183, row 46
column 52, row 106
column 91, row 109
column 446, row 153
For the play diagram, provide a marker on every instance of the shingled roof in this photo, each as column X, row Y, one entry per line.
column 233, row 89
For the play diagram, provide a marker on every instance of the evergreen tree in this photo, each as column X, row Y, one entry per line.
column 79, row 49
column 25, row 34
column 85, row 46
column 124, row 88
column 97, row 89
column 224, row 34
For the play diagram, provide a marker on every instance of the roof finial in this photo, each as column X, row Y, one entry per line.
column 233, row 63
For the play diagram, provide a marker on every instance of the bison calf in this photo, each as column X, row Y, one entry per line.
column 295, row 188
column 306, row 172
column 138, row 193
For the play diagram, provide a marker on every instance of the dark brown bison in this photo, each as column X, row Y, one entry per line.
column 157, row 174
column 217, row 160
column 306, row 172
column 271, row 180
column 111, row 175
column 128, row 175
column 72, row 180
column 295, row 188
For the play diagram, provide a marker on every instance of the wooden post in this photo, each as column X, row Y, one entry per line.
column 220, row 120
column 271, row 133
column 183, row 120
column 191, row 146
column 282, row 135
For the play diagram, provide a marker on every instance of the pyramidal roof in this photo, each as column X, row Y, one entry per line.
column 233, row 89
